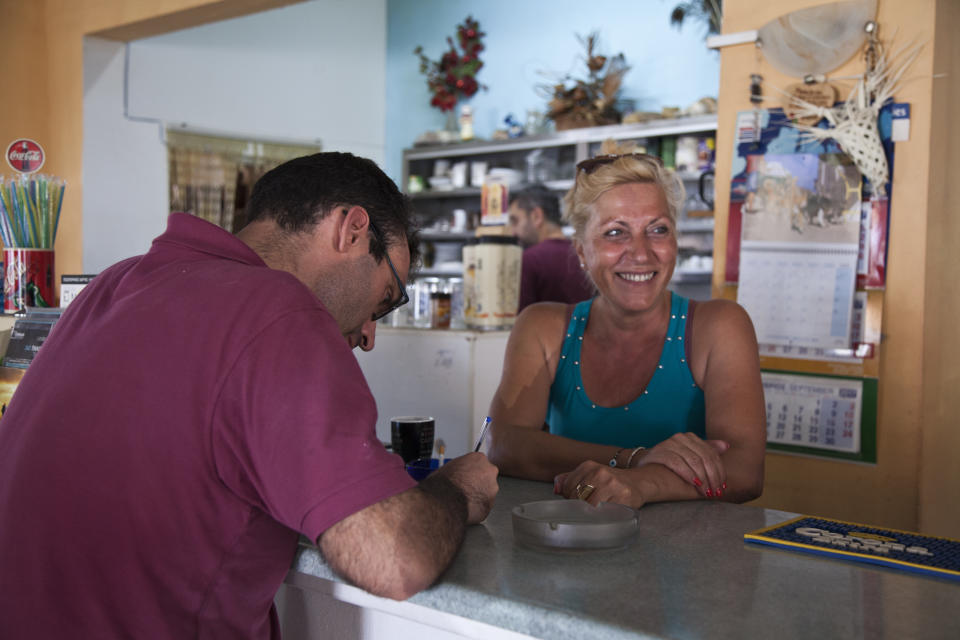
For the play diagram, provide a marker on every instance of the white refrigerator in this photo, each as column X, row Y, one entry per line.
column 448, row 374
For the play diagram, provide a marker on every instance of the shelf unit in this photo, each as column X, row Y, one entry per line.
column 557, row 155
column 579, row 140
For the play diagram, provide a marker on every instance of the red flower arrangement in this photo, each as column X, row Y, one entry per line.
column 454, row 75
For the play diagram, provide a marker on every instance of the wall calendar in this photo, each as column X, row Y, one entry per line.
column 821, row 415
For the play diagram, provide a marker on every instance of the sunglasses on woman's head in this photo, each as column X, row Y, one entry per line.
column 589, row 165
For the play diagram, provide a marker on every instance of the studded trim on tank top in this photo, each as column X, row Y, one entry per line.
column 674, row 331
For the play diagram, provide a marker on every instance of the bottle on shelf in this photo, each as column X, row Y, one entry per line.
column 466, row 122
column 668, row 152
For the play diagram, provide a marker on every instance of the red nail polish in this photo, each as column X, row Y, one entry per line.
column 719, row 493
column 709, row 493
column 723, row 486
column 697, row 482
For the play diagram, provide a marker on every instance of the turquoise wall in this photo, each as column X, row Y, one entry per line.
column 527, row 39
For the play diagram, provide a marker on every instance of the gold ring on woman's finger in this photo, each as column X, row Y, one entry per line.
column 584, row 491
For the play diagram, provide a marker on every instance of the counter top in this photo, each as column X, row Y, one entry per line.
column 689, row 574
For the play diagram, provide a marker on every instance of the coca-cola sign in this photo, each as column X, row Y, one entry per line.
column 25, row 155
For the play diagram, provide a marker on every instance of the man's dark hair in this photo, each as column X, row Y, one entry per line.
column 538, row 195
column 301, row 192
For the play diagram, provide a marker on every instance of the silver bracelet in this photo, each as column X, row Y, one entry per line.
column 613, row 460
column 633, row 453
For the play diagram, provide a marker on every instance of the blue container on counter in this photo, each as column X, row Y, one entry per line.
column 422, row 467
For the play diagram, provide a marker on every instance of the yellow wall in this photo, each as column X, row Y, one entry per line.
column 913, row 483
column 24, row 109
column 41, row 42
column 940, row 408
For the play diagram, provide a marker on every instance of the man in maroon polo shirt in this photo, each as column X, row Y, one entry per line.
column 550, row 271
column 198, row 407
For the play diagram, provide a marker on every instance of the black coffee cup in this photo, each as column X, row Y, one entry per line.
column 412, row 437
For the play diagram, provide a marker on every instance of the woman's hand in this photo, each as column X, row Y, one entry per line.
column 695, row 460
column 692, row 459
column 608, row 485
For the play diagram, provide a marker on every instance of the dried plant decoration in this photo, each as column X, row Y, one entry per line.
column 853, row 124
column 591, row 101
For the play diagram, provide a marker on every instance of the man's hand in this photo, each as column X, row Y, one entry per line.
column 476, row 478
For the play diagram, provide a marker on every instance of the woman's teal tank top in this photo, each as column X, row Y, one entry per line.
column 671, row 403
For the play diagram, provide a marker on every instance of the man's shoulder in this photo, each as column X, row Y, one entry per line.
column 264, row 293
column 195, row 281
column 549, row 248
column 552, row 244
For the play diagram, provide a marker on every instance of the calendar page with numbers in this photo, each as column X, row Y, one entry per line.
column 814, row 412
column 854, row 354
column 799, row 298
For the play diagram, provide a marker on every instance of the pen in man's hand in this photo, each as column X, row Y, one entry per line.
column 483, row 432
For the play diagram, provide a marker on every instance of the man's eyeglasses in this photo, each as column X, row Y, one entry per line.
column 590, row 165
column 404, row 298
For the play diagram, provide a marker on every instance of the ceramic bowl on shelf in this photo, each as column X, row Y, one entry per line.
column 510, row 177
column 440, row 183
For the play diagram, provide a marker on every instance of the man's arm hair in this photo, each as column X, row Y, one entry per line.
column 399, row 546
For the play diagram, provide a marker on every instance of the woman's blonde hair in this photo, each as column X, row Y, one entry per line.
column 628, row 167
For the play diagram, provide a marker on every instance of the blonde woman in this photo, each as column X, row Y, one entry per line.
column 638, row 395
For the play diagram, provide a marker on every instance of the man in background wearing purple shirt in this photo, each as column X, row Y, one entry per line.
column 198, row 407
column 550, row 271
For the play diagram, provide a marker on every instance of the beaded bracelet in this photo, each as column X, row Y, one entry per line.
column 613, row 460
column 633, row 453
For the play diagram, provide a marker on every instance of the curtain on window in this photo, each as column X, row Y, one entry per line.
column 211, row 176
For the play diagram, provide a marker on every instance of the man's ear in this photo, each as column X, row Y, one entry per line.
column 537, row 217
column 351, row 227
